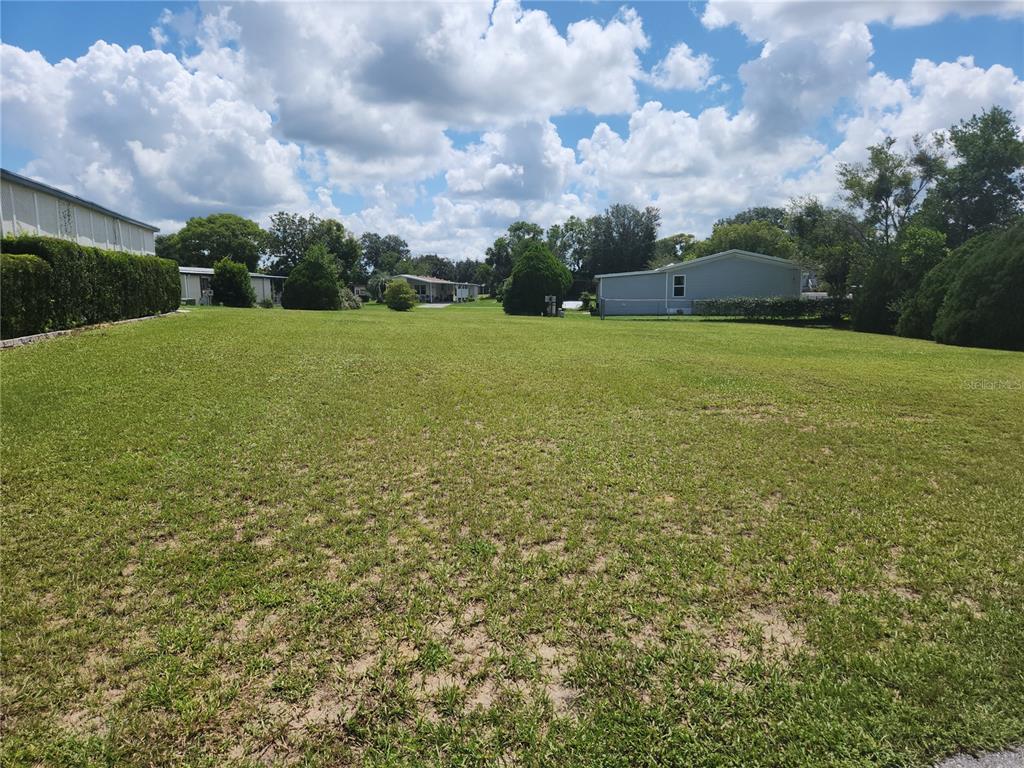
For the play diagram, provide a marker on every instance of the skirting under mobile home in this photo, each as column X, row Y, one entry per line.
column 674, row 289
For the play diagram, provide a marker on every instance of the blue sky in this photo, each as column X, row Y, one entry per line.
column 443, row 123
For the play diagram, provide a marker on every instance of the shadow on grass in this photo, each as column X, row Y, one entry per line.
column 839, row 325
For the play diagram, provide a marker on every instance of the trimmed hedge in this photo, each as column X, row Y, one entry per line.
column 826, row 310
column 25, row 292
column 89, row 285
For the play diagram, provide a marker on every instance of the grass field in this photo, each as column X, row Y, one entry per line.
column 450, row 537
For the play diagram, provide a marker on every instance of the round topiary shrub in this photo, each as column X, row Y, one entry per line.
column 313, row 284
column 536, row 274
column 400, row 296
column 231, row 284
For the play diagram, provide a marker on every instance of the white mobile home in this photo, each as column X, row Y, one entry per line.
column 195, row 285
column 30, row 207
column 433, row 289
column 673, row 289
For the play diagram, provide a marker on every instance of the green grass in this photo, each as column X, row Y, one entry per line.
column 451, row 537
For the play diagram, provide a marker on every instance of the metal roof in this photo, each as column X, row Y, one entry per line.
column 209, row 271
column 703, row 260
column 435, row 280
column 25, row 181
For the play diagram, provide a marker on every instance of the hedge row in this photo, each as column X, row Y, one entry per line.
column 826, row 310
column 25, row 294
column 86, row 285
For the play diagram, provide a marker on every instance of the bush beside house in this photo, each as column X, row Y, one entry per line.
column 348, row 299
column 536, row 274
column 777, row 308
column 400, row 296
column 231, row 284
column 313, row 283
column 89, row 285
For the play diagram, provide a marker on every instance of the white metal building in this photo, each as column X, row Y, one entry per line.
column 673, row 289
column 195, row 285
column 31, row 207
column 434, row 289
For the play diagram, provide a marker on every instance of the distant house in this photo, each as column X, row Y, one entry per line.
column 433, row 289
column 30, row 207
column 195, row 285
column 673, row 289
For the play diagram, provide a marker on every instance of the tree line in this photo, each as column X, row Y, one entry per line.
column 907, row 225
column 371, row 259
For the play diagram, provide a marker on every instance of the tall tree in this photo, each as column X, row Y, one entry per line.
column 499, row 258
column 984, row 188
column 204, row 241
column 485, row 277
column 671, row 249
column 622, row 239
column 889, row 188
column 522, row 233
column 465, row 270
column 291, row 236
column 382, row 252
column 570, row 242
column 775, row 216
column 829, row 241
column 755, row 236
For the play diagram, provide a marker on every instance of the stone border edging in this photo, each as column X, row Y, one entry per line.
column 21, row 341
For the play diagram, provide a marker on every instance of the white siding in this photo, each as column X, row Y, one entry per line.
column 99, row 229
column 27, row 210
column 6, row 208
column 24, row 210
column 48, row 219
column 83, row 223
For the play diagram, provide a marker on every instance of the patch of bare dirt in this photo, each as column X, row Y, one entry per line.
column 968, row 604
column 781, row 638
column 755, row 412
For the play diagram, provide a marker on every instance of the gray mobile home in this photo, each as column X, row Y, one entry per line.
column 195, row 285
column 434, row 289
column 673, row 289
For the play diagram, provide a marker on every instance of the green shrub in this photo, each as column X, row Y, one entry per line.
column 778, row 308
column 376, row 286
column 919, row 310
column 588, row 302
column 313, row 284
column 349, row 300
column 90, row 285
column 25, row 292
column 535, row 274
column 400, row 296
column 984, row 306
column 231, row 284
column 876, row 300
column 266, row 303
